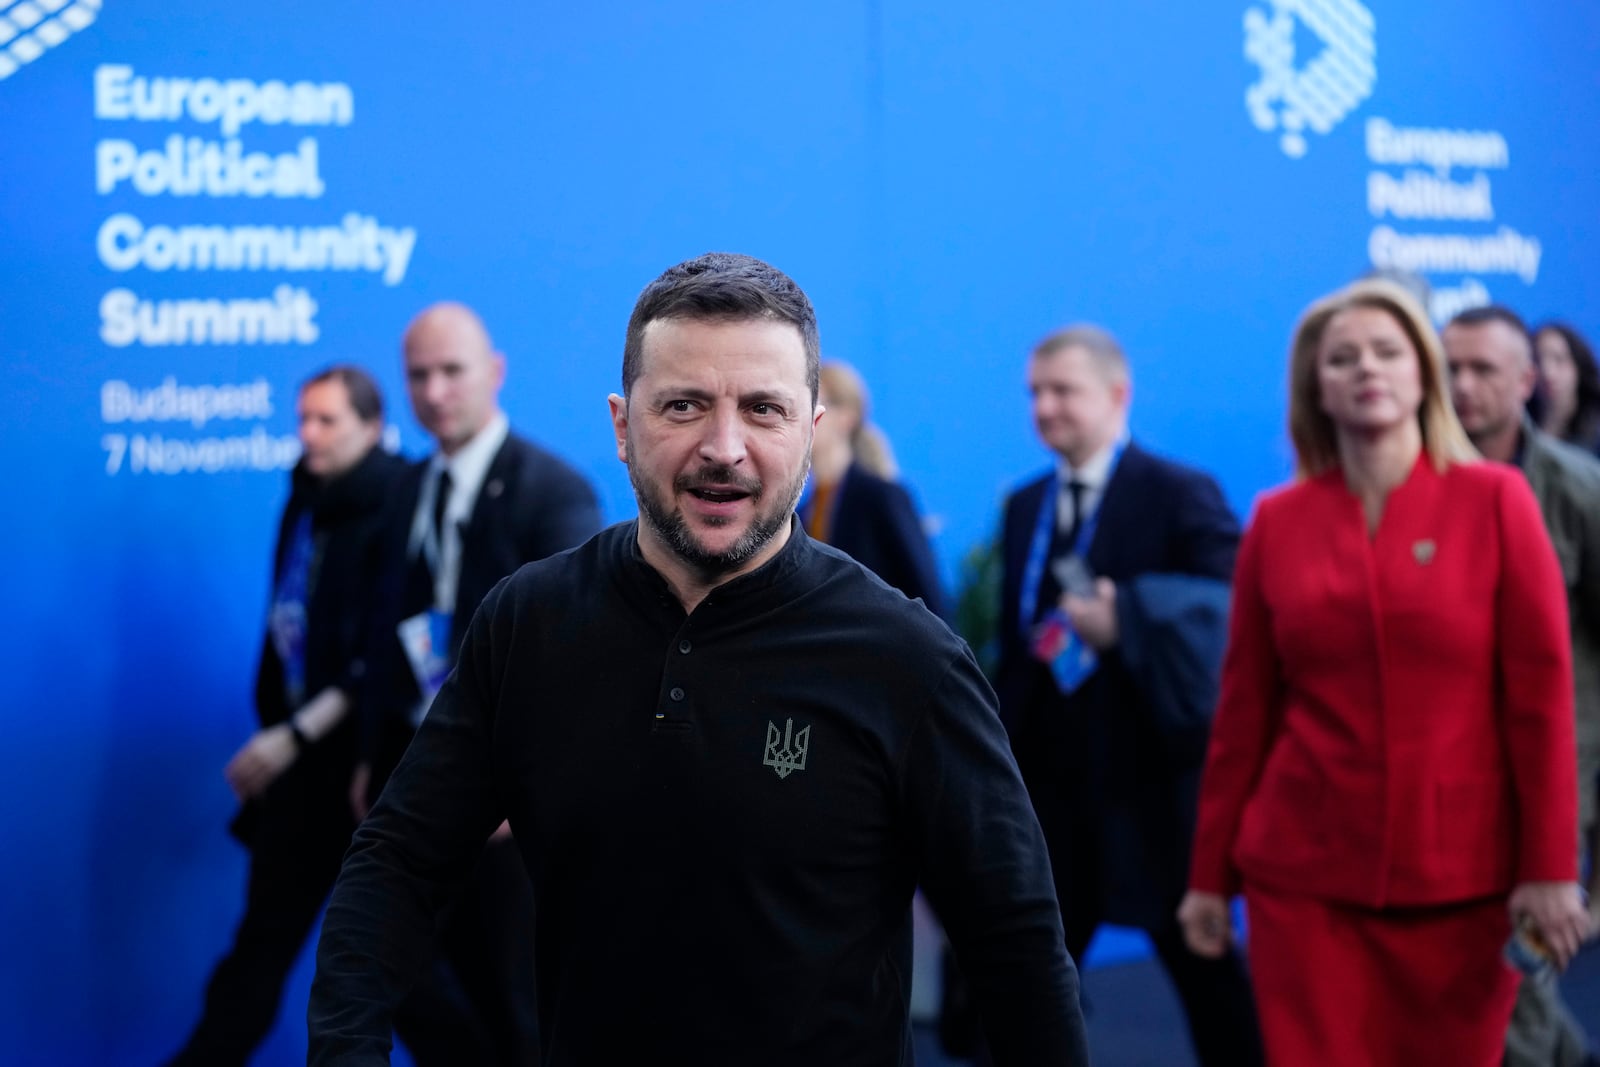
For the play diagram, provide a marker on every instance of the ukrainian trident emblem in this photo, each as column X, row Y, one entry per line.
column 786, row 752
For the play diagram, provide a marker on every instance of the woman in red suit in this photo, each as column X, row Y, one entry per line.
column 1391, row 773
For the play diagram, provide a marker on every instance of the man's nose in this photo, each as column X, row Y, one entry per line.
column 723, row 439
column 433, row 388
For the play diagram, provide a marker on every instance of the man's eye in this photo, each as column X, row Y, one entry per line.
column 763, row 409
column 679, row 406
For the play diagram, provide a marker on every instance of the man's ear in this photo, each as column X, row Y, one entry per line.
column 1529, row 374
column 619, row 423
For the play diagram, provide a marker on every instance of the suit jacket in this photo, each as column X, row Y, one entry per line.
column 1395, row 724
column 1115, row 805
column 532, row 504
column 1566, row 482
column 875, row 522
column 1171, row 632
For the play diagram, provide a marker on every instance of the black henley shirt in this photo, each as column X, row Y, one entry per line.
column 724, row 815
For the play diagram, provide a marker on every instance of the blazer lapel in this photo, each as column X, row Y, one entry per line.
column 491, row 500
column 1118, row 512
column 486, row 522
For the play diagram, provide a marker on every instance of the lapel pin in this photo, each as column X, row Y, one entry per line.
column 495, row 488
column 1423, row 551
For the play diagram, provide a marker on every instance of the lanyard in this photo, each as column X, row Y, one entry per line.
column 427, row 539
column 290, row 602
column 1044, row 533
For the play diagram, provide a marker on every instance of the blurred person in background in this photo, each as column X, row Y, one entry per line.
column 856, row 503
column 291, row 775
column 1113, row 611
column 1391, row 773
column 1567, row 403
column 485, row 502
column 1492, row 377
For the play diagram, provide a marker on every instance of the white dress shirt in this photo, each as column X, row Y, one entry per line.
column 468, row 468
column 1093, row 475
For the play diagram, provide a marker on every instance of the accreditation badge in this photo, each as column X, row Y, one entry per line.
column 1055, row 642
column 1073, row 665
column 426, row 639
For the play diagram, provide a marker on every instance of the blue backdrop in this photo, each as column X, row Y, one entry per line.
column 948, row 182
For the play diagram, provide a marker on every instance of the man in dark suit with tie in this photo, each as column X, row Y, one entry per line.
column 485, row 503
column 1091, row 552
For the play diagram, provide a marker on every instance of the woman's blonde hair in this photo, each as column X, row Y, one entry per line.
column 847, row 391
column 1316, row 442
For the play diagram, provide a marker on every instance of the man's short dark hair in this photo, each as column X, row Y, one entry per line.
column 1482, row 316
column 365, row 397
column 721, row 287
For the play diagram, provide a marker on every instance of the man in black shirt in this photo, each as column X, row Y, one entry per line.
column 728, row 755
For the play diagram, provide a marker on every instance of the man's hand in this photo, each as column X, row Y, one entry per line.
column 262, row 758
column 1207, row 923
column 1094, row 618
column 360, row 782
column 1558, row 916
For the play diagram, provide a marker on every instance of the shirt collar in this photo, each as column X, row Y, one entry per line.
column 777, row 573
column 1519, row 458
column 1092, row 475
column 470, row 465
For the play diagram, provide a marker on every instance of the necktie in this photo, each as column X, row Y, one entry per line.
column 420, row 575
column 1061, row 546
column 1075, row 491
column 441, row 501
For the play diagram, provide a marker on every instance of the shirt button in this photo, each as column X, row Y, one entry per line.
column 677, row 693
column 684, row 647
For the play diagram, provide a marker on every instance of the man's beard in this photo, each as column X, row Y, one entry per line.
column 1488, row 429
column 671, row 527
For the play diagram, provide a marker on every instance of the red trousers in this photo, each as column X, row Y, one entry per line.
column 1342, row 986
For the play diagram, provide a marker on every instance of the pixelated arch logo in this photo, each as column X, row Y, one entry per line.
column 1315, row 96
column 30, row 28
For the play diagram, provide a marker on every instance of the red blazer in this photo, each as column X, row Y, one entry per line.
column 1395, row 725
